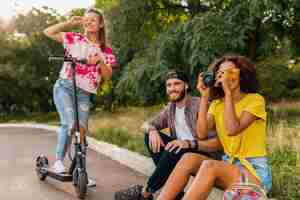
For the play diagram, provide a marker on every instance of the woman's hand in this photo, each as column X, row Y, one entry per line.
column 96, row 59
column 222, row 78
column 76, row 20
column 204, row 91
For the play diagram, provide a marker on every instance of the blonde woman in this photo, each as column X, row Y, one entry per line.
column 91, row 46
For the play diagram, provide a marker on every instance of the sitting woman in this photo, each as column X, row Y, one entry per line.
column 238, row 115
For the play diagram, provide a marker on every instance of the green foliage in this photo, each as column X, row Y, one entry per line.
column 255, row 28
column 141, row 83
column 277, row 79
column 27, row 67
column 35, row 21
column 152, row 36
column 106, row 5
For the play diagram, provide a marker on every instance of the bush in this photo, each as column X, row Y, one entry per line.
column 277, row 80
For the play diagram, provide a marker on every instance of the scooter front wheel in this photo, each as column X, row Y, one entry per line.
column 81, row 187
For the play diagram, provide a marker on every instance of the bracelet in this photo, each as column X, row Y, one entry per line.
column 196, row 146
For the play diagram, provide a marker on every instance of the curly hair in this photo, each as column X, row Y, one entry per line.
column 248, row 79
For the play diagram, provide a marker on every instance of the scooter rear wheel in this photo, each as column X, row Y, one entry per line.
column 42, row 164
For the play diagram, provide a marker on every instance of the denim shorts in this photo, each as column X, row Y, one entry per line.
column 262, row 168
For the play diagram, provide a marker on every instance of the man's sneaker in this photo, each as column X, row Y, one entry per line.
column 59, row 167
column 133, row 193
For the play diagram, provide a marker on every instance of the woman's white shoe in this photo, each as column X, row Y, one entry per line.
column 59, row 167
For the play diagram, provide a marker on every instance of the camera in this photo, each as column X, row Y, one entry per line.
column 209, row 79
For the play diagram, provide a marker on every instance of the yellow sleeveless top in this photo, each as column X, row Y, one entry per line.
column 251, row 142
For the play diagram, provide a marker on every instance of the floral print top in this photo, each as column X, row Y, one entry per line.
column 78, row 46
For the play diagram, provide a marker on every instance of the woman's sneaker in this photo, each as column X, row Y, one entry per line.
column 133, row 193
column 59, row 167
column 91, row 183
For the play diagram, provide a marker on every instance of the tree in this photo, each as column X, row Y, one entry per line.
column 26, row 62
column 196, row 32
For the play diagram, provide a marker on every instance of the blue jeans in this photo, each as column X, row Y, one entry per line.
column 64, row 102
column 262, row 168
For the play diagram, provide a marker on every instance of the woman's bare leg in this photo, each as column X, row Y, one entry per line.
column 214, row 172
column 188, row 165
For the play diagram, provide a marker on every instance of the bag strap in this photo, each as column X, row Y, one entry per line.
column 244, row 177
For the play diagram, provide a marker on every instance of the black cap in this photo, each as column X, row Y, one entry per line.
column 178, row 75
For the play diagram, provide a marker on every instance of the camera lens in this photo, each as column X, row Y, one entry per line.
column 208, row 79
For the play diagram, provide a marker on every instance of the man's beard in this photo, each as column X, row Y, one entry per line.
column 179, row 98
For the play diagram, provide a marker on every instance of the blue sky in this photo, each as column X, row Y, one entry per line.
column 9, row 8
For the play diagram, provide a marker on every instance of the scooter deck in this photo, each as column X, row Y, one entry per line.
column 64, row 177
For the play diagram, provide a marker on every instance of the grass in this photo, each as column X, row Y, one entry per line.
column 123, row 127
column 49, row 118
column 121, row 137
column 128, row 119
column 284, row 148
column 286, row 175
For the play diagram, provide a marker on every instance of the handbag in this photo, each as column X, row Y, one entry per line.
column 245, row 190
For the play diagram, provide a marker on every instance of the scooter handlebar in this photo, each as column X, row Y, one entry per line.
column 67, row 59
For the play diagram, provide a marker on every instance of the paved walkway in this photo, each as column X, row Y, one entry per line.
column 20, row 146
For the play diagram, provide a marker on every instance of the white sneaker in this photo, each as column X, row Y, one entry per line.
column 59, row 167
column 91, row 183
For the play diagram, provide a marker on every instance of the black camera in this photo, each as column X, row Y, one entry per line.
column 209, row 79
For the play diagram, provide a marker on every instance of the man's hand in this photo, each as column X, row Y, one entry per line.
column 179, row 144
column 155, row 141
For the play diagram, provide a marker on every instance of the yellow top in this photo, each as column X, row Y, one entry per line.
column 251, row 142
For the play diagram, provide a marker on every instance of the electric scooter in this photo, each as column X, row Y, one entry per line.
column 77, row 172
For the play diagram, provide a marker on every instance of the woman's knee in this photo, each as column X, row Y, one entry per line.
column 190, row 163
column 209, row 165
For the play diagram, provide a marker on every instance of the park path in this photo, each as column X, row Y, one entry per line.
column 20, row 146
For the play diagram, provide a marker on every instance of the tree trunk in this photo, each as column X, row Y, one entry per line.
column 252, row 46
